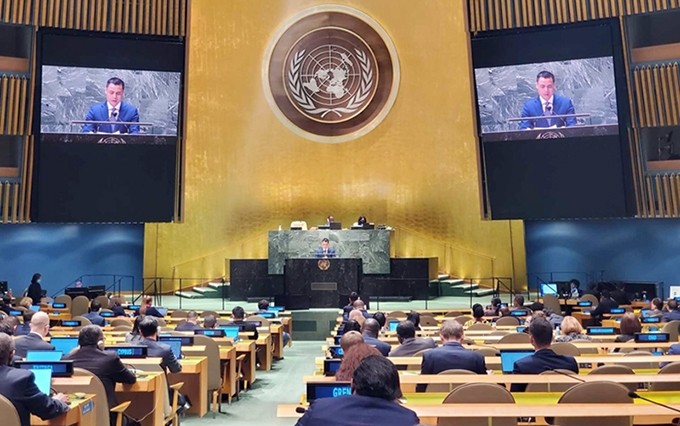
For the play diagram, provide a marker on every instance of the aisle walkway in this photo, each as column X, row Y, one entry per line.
column 283, row 384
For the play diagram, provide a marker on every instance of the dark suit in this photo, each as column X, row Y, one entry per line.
column 542, row 360
column 22, row 330
column 330, row 252
column 561, row 105
column 357, row 410
column 381, row 346
column 31, row 342
column 604, row 307
column 19, row 387
column 95, row 318
column 670, row 316
column 187, row 326
column 100, row 112
column 105, row 365
column 451, row 355
column 118, row 311
column 163, row 351
column 412, row 346
column 247, row 326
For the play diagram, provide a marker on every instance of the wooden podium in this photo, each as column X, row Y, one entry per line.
column 320, row 283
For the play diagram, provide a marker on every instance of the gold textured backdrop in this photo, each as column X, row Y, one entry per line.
column 245, row 173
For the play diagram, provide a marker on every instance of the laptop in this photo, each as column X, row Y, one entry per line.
column 43, row 379
column 43, row 356
column 35, row 308
column 231, row 331
column 162, row 311
column 393, row 325
column 652, row 337
column 276, row 308
column 64, row 344
column 330, row 366
column 176, row 347
column 509, row 356
column 327, row 390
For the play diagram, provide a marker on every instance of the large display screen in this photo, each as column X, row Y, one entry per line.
column 552, row 115
column 109, row 129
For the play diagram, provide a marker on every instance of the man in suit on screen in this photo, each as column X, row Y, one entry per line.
column 547, row 104
column 113, row 110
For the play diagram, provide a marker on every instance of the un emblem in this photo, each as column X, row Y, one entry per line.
column 331, row 74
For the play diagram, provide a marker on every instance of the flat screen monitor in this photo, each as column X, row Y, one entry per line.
column 509, row 356
column 64, row 344
column 335, row 225
column 276, row 308
column 211, row 332
column 617, row 311
column 585, row 304
column 35, row 308
column 15, row 313
column 327, row 390
column 330, row 366
column 70, row 323
column 652, row 337
column 43, row 356
column 651, row 320
column 518, row 313
column 106, row 314
column 43, row 380
column 231, row 331
column 58, row 368
column 133, row 307
column 549, row 288
column 268, row 314
column 521, row 329
column 129, row 351
column 59, row 305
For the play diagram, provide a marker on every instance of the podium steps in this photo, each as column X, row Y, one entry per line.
column 214, row 290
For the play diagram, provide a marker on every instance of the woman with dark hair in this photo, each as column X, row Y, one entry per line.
column 414, row 317
column 656, row 308
column 34, row 289
column 493, row 309
column 135, row 335
column 352, row 359
column 361, row 221
column 477, row 315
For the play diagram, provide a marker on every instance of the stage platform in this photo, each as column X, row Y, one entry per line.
column 315, row 324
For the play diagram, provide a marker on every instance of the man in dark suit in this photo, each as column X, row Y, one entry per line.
column 547, row 104
column 325, row 250
column 544, row 359
column 451, row 354
column 238, row 318
column 106, row 365
column 353, row 297
column 190, row 324
column 370, row 331
column 518, row 305
column 113, row 110
column 93, row 315
column 149, row 329
column 18, row 386
column 375, row 390
column 604, row 307
column 33, row 341
column 409, row 344
column 673, row 311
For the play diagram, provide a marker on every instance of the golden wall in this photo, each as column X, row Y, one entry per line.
column 246, row 173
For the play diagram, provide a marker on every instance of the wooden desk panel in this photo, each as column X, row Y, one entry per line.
column 82, row 413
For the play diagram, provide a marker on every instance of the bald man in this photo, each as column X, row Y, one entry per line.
column 370, row 331
column 34, row 340
column 350, row 339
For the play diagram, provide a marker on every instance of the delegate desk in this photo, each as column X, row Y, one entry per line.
column 147, row 396
column 194, row 374
column 249, row 349
column 81, row 413
column 227, row 365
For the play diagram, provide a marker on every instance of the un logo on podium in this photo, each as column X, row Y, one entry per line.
column 331, row 74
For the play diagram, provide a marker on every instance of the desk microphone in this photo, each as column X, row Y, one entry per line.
column 636, row 395
column 571, row 376
column 300, row 410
